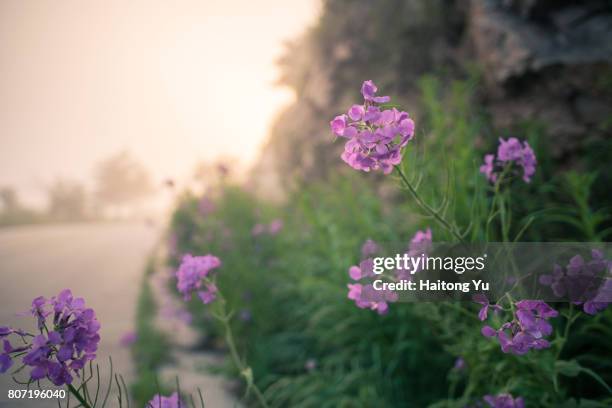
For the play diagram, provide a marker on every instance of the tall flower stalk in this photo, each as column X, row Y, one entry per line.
column 224, row 317
column 195, row 275
column 427, row 209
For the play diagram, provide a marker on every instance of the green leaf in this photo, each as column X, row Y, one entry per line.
column 568, row 368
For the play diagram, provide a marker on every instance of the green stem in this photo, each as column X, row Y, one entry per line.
column 426, row 208
column 571, row 318
column 231, row 344
column 499, row 200
column 78, row 396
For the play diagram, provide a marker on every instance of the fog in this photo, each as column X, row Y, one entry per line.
column 173, row 83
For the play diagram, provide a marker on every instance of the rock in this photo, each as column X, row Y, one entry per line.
column 509, row 45
column 545, row 61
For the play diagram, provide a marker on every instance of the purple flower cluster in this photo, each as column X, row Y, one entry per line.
column 583, row 283
column 369, row 248
column 419, row 244
column 193, row 276
column 159, row 401
column 363, row 294
column 504, row 401
column 206, row 206
column 375, row 136
column 527, row 329
column 366, row 297
column 510, row 151
column 273, row 228
column 68, row 338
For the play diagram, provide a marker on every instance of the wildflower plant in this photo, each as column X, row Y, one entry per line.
column 67, row 339
column 194, row 275
column 376, row 139
column 377, row 136
column 62, row 351
column 513, row 157
column 527, row 329
column 363, row 293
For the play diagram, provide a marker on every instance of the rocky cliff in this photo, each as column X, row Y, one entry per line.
column 548, row 61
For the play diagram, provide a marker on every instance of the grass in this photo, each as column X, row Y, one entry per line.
column 309, row 346
column 151, row 349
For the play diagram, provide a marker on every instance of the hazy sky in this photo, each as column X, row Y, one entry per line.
column 172, row 81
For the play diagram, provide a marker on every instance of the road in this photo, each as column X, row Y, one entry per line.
column 101, row 262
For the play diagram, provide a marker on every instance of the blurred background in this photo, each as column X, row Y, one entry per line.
column 111, row 111
column 103, row 102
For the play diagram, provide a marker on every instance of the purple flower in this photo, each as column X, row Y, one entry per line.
column 484, row 310
column 533, row 317
column 338, row 124
column 420, row 242
column 128, row 338
column 356, row 112
column 355, row 272
column 192, row 273
column 354, row 291
column 510, row 151
column 366, row 297
column 159, row 401
column 369, row 248
column 275, row 226
column 363, row 294
column 258, row 229
column 6, row 361
column 206, row 206
column 488, row 167
column 375, row 137
column 528, row 162
column 68, row 338
column 488, row 331
column 368, row 90
column 527, row 329
column 209, row 293
column 583, row 283
column 504, row 401
column 365, row 269
column 459, row 364
column 245, row 315
column 5, row 331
